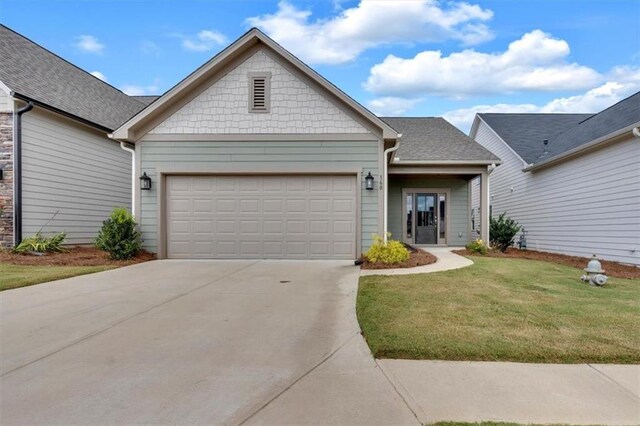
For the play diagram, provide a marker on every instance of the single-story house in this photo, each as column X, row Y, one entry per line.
column 571, row 180
column 253, row 155
column 58, row 169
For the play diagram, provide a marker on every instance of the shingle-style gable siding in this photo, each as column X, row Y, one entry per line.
column 295, row 107
column 579, row 207
column 73, row 170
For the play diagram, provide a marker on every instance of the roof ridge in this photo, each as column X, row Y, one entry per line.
column 65, row 60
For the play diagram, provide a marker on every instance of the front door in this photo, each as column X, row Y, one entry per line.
column 426, row 219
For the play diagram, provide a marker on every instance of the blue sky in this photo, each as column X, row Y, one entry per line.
column 414, row 58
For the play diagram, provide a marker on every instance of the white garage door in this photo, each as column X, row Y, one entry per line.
column 270, row 217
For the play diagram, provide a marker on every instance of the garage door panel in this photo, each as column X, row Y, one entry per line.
column 261, row 217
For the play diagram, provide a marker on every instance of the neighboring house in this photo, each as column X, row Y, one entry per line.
column 255, row 155
column 60, row 171
column 571, row 180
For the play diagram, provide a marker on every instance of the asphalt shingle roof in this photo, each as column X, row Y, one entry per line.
column 435, row 139
column 525, row 133
column 623, row 114
column 146, row 99
column 34, row 72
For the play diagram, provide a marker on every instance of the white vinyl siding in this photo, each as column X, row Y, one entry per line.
column 6, row 103
column 279, row 155
column 71, row 169
column 584, row 206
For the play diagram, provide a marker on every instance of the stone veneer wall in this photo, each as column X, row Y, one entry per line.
column 6, row 184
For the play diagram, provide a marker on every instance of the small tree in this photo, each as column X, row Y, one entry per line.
column 502, row 231
column 118, row 235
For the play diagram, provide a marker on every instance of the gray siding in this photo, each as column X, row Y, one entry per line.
column 589, row 204
column 459, row 219
column 70, row 168
column 279, row 156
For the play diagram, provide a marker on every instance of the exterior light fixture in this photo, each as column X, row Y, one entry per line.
column 369, row 182
column 1, row 174
column 145, row 182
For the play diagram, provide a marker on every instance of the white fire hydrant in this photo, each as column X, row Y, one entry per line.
column 595, row 274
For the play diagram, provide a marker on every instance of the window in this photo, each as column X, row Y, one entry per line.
column 259, row 88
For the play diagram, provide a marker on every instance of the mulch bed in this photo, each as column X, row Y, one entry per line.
column 613, row 269
column 74, row 256
column 417, row 257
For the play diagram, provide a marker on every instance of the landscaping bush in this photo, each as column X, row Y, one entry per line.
column 503, row 231
column 389, row 253
column 477, row 246
column 40, row 244
column 119, row 236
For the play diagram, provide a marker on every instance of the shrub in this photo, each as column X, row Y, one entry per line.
column 477, row 246
column 503, row 231
column 389, row 253
column 40, row 244
column 119, row 236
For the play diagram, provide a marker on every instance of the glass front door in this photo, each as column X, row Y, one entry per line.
column 426, row 223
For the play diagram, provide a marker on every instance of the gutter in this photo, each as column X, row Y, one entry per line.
column 125, row 146
column 446, row 162
column 17, row 173
column 385, row 194
column 59, row 111
column 610, row 138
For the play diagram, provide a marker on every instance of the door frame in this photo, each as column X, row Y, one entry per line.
column 161, row 196
column 438, row 192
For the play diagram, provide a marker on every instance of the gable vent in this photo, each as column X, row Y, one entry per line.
column 259, row 93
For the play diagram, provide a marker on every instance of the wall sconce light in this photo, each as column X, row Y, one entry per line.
column 145, row 182
column 369, row 182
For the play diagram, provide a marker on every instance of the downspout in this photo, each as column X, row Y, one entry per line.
column 385, row 176
column 17, row 174
column 124, row 146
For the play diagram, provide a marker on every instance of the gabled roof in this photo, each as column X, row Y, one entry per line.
column 251, row 38
column 526, row 133
column 33, row 73
column 617, row 117
column 146, row 99
column 436, row 140
column 564, row 133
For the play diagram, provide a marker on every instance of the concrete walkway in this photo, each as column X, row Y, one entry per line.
column 446, row 261
column 520, row 393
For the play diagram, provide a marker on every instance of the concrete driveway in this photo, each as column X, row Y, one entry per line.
column 186, row 342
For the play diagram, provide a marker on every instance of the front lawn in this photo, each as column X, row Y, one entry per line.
column 501, row 309
column 14, row 276
column 19, row 270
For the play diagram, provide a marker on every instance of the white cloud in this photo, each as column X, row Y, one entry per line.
column 535, row 62
column 140, row 90
column 89, row 43
column 99, row 75
column 205, row 40
column 373, row 23
column 150, row 48
column 391, row 106
column 624, row 82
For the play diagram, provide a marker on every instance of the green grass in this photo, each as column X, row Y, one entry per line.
column 14, row 276
column 501, row 310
